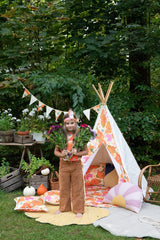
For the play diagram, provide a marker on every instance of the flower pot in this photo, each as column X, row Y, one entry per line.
column 38, row 136
column 22, row 133
column 6, row 136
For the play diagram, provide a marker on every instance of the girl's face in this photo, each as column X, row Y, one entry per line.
column 70, row 125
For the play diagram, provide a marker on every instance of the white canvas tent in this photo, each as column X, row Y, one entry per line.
column 110, row 146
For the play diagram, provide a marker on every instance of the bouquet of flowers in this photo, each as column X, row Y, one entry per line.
column 85, row 134
column 56, row 136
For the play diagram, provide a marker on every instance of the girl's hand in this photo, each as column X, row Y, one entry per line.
column 74, row 151
column 63, row 153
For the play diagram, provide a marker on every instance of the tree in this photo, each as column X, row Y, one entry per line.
column 59, row 48
column 140, row 37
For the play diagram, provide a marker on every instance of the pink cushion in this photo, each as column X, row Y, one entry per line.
column 125, row 195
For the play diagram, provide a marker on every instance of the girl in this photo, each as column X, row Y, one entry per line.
column 70, row 172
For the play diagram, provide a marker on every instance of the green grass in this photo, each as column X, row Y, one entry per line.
column 15, row 225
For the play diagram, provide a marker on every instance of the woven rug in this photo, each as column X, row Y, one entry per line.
column 90, row 216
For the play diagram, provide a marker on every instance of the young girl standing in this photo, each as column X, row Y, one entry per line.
column 70, row 172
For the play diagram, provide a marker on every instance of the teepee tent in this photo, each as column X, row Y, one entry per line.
column 109, row 146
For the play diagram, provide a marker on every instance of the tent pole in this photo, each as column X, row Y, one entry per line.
column 101, row 92
column 97, row 93
column 108, row 92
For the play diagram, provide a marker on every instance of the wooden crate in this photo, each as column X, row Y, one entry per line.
column 37, row 180
column 11, row 181
column 23, row 139
column 6, row 136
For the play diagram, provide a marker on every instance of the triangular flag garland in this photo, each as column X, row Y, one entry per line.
column 57, row 111
column 32, row 100
column 48, row 111
column 87, row 113
column 40, row 105
column 96, row 108
column 26, row 93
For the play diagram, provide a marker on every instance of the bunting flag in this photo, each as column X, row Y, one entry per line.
column 48, row 110
column 33, row 99
column 57, row 113
column 40, row 105
column 26, row 93
column 87, row 113
column 96, row 108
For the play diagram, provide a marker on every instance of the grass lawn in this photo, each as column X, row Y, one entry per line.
column 15, row 225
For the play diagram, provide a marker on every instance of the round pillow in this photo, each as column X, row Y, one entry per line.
column 111, row 179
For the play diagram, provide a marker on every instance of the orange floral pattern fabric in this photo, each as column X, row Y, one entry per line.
column 52, row 197
column 30, row 204
column 95, row 175
column 94, row 196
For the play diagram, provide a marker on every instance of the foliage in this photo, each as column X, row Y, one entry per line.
column 7, row 122
column 4, row 168
column 23, row 124
column 85, row 134
column 32, row 121
column 34, row 165
column 56, row 136
column 37, row 122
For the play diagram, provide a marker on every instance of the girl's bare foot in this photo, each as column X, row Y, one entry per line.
column 57, row 212
column 79, row 215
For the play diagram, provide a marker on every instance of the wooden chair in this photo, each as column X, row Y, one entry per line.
column 153, row 183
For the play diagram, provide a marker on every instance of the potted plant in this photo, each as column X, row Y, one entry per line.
column 23, row 124
column 7, row 126
column 33, row 170
column 38, row 125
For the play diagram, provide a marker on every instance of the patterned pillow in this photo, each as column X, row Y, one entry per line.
column 30, row 204
column 125, row 195
column 95, row 175
column 52, row 197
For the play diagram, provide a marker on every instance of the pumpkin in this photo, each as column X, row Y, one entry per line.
column 41, row 189
column 29, row 191
column 45, row 171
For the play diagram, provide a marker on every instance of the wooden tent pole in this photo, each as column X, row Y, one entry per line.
column 97, row 93
column 101, row 92
column 108, row 92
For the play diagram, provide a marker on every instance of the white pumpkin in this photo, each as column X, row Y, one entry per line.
column 29, row 191
column 45, row 171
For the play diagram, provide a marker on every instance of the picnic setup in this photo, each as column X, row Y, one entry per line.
column 118, row 196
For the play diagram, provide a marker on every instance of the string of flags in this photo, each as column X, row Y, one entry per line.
column 49, row 109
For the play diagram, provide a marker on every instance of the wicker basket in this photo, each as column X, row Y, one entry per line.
column 54, row 182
